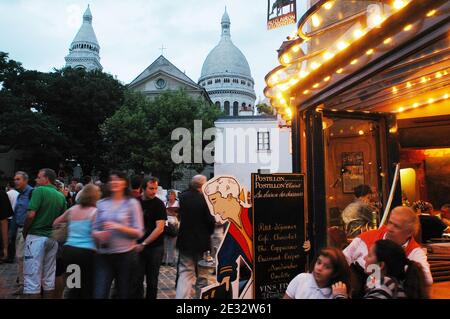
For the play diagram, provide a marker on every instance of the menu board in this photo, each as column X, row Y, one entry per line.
column 278, row 223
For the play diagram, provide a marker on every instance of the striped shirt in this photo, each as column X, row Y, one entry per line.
column 388, row 289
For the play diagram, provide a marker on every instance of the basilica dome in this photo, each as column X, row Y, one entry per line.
column 232, row 61
column 226, row 76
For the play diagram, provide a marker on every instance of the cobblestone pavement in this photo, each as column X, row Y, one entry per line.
column 166, row 285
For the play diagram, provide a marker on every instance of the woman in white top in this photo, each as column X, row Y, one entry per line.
column 170, row 240
column 329, row 268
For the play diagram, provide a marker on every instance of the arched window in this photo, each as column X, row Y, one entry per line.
column 236, row 108
column 218, row 105
column 227, row 108
column 226, row 81
column 235, row 81
column 209, row 82
column 217, row 81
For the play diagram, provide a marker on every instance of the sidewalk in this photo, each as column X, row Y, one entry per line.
column 166, row 284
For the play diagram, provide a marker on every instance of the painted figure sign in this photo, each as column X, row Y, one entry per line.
column 228, row 203
column 281, row 13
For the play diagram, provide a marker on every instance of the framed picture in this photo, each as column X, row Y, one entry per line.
column 352, row 171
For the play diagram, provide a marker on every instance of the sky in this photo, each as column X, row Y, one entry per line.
column 38, row 33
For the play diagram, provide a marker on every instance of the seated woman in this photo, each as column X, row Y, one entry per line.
column 386, row 262
column 330, row 267
column 358, row 216
column 431, row 226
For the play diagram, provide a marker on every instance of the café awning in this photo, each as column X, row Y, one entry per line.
column 340, row 45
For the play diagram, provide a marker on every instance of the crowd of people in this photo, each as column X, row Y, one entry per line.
column 118, row 235
column 114, row 234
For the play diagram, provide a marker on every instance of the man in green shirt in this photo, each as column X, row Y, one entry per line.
column 46, row 204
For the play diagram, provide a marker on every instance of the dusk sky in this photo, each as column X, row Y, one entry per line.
column 38, row 33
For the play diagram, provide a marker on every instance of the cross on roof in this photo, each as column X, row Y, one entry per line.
column 162, row 49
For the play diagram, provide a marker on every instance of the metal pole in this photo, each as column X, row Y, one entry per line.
column 391, row 194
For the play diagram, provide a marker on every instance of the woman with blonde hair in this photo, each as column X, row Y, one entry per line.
column 80, row 248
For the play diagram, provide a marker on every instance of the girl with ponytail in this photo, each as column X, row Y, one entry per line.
column 393, row 275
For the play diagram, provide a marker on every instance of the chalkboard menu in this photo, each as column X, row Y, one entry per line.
column 278, row 223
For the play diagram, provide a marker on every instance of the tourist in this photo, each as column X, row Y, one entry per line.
column 430, row 226
column 79, row 248
column 170, row 239
column 194, row 238
column 117, row 226
column 39, row 266
column 330, row 267
column 393, row 275
column 6, row 212
column 20, row 214
column 403, row 223
column 358, row 216
column 151, row 245
column 136, row 190
column 445, row 214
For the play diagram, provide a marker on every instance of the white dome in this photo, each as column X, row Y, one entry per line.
column 226, row 76
column 225, row 59
column 86, row 33
column 231, row 59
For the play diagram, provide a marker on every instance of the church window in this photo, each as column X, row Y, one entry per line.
column 243, row 82
column 243, row 105
column 161, row 83
column 227, row 108
column 235, row 81
column 209, row 82
column 217, row 81
column 263, row 141
column 226, row 81
column 218, row 104
column 236, row 108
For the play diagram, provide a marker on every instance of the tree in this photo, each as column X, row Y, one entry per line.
column 81, row 101
column 56, row 116
column 21, row 126
column 138, row 135
column 264, row 109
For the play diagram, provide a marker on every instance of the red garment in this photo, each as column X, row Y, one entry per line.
column 445, row 215
column 239, row 237
column 370, row 237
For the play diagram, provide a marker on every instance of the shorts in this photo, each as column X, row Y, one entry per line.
column 39, row 265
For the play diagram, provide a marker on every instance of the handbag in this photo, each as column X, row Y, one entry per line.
column 60, row 232
column 171, row 230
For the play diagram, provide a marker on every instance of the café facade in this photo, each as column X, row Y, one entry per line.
column 365, row 87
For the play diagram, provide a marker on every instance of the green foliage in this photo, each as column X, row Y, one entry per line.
column 138, row 135
column 264, row 109
column 56, row 116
